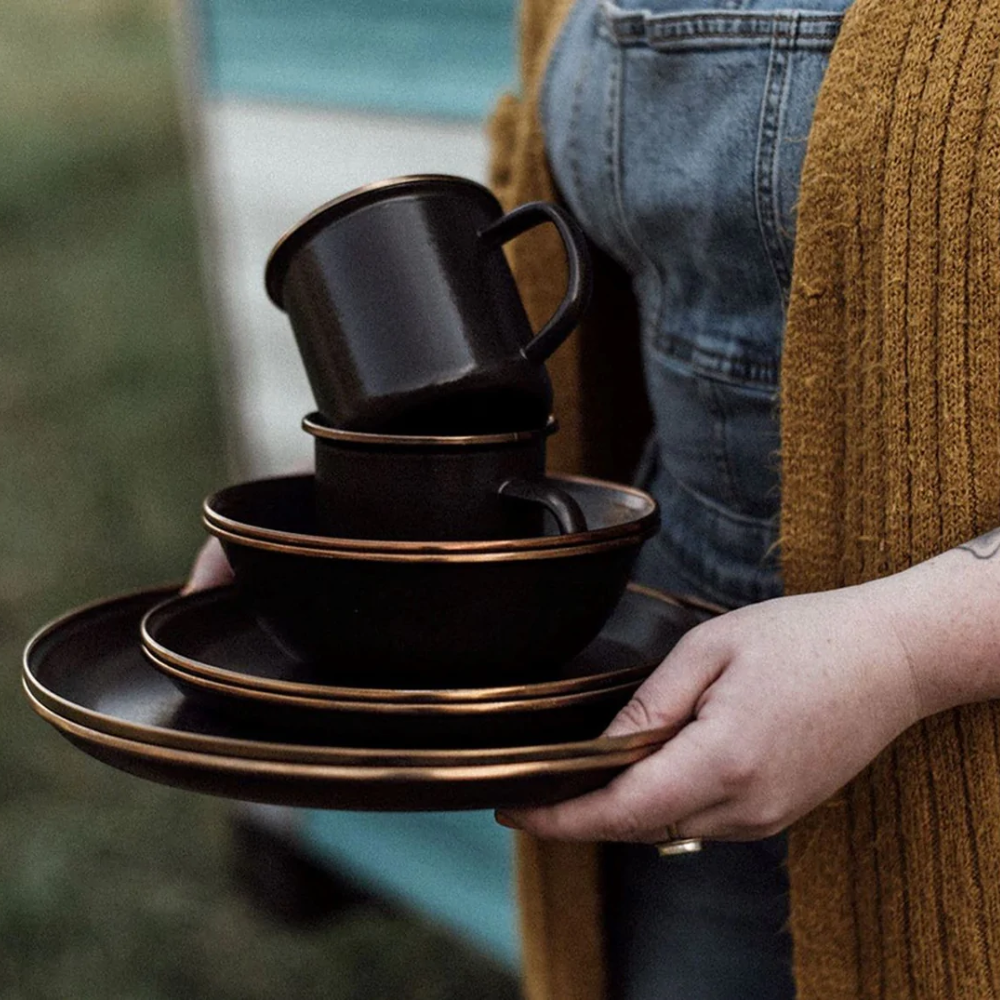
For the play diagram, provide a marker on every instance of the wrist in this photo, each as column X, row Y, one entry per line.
column 893, row 679
column 945, row 613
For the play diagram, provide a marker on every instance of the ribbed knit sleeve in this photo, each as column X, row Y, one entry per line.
column 890, row 454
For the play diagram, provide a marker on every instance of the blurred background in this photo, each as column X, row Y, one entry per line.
column 151, row 155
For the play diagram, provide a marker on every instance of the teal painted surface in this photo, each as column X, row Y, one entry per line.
column 446, row 58
column 455, row 867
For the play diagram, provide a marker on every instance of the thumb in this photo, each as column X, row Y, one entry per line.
column 670, row 695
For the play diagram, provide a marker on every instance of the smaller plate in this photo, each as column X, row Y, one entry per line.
column 580, row 716
column 213, row 635
column 365, row 788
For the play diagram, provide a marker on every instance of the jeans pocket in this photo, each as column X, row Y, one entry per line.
column 676, row 131
column 713, row 115
column 719, row 439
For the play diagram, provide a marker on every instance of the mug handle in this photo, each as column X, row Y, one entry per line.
column 559, row 503
column 578, row 266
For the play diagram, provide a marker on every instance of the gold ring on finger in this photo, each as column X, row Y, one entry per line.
column 676, row 844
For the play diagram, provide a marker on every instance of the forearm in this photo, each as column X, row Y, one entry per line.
column 946, row 614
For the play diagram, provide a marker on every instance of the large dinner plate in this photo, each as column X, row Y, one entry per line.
column 87, row 669
column 365, row 787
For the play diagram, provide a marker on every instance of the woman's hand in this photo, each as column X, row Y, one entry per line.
column 210, row 568
column 787, row 701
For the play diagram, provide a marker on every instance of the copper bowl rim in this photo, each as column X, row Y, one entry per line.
column 423, row 696
column 280, row 258
column 642, row 526
column 425, row 558
column 313, row 424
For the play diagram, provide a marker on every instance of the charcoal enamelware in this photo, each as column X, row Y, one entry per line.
column 88, row 668
column 212, row 633
column 573, row 717
column 104, row 635
column 283, row 510
column 406, row 313
column 409, row 487
column 362, row 787
column 459, row 617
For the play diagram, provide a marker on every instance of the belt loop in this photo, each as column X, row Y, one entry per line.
column 624, row 26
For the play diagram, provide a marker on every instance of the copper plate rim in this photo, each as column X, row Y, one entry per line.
column 307, row 227
column 511, row 692
column 304, row 753
column 406, row 710
column 100, row 721
column 450, row 774
column 643, row 525
column 313, row 424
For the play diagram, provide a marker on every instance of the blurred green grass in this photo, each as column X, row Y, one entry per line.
column 111, row 887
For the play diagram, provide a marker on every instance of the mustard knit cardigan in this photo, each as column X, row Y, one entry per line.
column 890, row 412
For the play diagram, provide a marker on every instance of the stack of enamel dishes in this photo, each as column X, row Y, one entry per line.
column 436, row 613
column 428, row 622
column 106, row 677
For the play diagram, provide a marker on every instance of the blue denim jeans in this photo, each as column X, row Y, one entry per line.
column 676, row 131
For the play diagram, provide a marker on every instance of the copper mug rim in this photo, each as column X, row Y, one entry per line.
column 280, row 257
column 314, row 424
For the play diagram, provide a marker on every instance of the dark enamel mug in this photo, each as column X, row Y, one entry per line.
column 406, row 313
column 425, row 488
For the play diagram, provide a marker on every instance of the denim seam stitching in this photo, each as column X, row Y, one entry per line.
column 615, row 111
column 766, row 160
column 789, row 44
column 725, row 587
column 611, row 95
column 783, row 247
column 708, row 391
column 717, row 364
column 811, row 29
column 573, row 142
column 750, row 24
column 764, row 524
column 554, row 53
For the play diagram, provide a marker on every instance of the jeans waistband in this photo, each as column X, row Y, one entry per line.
column 697, row 28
